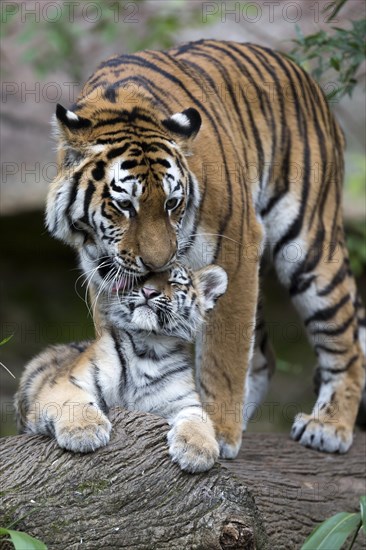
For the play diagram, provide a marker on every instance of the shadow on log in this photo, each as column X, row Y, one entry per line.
column 126, row 495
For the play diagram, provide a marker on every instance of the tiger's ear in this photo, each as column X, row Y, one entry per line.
column 70, row 121
column 212, row 281
column 70, row 128
column 185, row 125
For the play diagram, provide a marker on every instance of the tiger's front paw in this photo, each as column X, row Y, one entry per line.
column 229, row 449
column 84, row 434
column 330, row 437
column 193, row 446
column 230, row 439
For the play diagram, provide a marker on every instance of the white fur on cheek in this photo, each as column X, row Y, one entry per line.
column 57, row 202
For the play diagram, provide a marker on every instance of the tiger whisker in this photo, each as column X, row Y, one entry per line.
column 217, row 235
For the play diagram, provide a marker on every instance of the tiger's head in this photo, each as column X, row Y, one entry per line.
column 172, row 303
column 124, row 196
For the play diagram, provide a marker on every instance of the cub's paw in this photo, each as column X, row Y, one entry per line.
column 193, row 446
column 330, row 437
column 84, row 435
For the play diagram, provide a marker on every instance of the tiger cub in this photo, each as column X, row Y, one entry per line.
column 141, row 360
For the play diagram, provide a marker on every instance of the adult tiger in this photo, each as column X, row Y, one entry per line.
column 139, row 187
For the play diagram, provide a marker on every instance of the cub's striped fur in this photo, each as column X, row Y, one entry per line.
column 141, row 360
column 208, row 153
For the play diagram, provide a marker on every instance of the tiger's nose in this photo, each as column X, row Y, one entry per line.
column 156, row 266
column 149, row 292
column 153, row 265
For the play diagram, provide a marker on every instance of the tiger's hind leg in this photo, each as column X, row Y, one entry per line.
column 323, row 290
column 79, row 422
column 57, row 397
column 41, row 370
column 361, row 318
column 261, row 368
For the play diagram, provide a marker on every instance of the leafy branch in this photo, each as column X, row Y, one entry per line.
column 339, row 50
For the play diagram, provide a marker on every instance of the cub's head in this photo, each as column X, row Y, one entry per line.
column 124, row 196
column 173, row 303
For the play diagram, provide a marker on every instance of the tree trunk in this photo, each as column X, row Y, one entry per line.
column 296, row 488
column 126, row 495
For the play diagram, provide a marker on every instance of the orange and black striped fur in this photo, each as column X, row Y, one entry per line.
column 141, row 360
column 210, row 152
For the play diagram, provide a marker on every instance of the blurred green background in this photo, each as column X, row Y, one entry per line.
column 48, row 51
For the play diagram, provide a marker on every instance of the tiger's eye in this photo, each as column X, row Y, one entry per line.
column 171, row 204
column 125, row 204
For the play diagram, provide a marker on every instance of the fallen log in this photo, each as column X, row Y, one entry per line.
column 126, row 495
column 296, row 488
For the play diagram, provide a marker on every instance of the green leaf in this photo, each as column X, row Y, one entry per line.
column 335, row 63
column 363, row 512
column 22, row 541
column 334, row 7
column 299, row 34
column 333, row 532
column 6, row 340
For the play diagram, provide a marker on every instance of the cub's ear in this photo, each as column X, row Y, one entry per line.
column 213, row 284
column 185, row 124
column 70, row 120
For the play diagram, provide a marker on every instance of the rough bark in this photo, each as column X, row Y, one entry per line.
column 127, row 495
column 130, row 495
column 296, row 488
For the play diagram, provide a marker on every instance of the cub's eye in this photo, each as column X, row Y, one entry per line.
column 176, row 285
column 171, row 204
column 126, row 205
